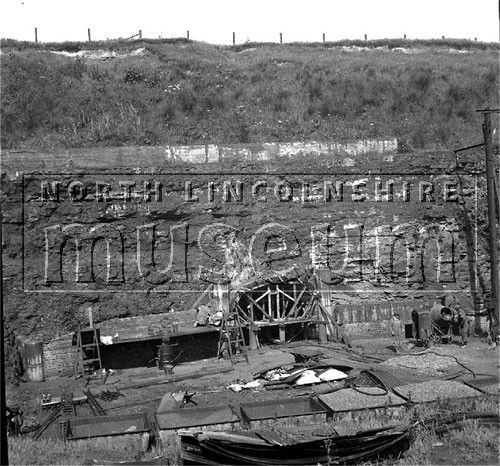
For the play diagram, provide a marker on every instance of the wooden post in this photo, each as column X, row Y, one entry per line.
column 252, row 330
column 187, row 35
column 140, row 33
column 323, row 38
column 234, row 38
column 252, row 337
column 322, row 335
column 270, row 305
column 88, row 33
column 492, row 221
column 366, row 36
column 282, row 333
column 278, row 307
column 222, row 296
column 91, row 317
column 36, row 35
column 281, row 37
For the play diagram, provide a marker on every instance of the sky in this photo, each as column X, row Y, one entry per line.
column 214, row 21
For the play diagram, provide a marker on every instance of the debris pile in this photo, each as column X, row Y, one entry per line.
column 108, row 395
column 279, row 447
column 292, row 376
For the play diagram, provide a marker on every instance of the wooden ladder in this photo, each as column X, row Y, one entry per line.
column 67, row 404
column 231, row 337
column 88, row 353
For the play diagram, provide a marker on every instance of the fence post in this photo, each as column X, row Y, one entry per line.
column 36, row 35
column 234, row 38
column 140, row 33
column 88, row 32
column 187, row 35
column 281, row 37
column 323, row 38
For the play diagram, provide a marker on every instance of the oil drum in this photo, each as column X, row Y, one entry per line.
column 422, row 324
column 33, row 361
column 165, row 354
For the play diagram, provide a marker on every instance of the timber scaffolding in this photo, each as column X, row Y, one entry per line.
column 286, row 303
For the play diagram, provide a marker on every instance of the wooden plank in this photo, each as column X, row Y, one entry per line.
column 178, row 378
column 262, row 296
column 198, row 301
column 296, row 303
column 94, row 404
column 258, row 306
column 243, row 313
column 284, row 293
column 328, row 317
column 327, row 322
column 278, row 307
column 262, row 324
column 50, row 418
column 310, row 312
column 270, row 307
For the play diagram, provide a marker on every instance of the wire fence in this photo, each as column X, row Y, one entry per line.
column 139, row 36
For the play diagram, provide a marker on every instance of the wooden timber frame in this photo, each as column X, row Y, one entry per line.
column 270, row 304
column 262, row 304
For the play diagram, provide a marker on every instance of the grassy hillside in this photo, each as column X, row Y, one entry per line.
column 180, row 92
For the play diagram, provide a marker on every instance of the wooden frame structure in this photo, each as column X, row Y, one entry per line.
column 274, row 304
column 263, row 304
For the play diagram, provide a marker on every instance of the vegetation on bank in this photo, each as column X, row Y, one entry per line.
column 75, row 46
column 27, row 451
column 181, row 92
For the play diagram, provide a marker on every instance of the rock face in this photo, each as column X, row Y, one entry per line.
column 133, row 241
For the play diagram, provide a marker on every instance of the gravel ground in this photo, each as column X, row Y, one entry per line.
column 348, row 399
column 493, row 389
column 426, row 363
column 436, row 389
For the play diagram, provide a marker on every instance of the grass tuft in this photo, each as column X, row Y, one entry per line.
column 183, row 92
column 24, row 450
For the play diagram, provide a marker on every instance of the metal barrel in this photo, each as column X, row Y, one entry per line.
column 33, row 360
column 422, row 324
column 165, row 354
